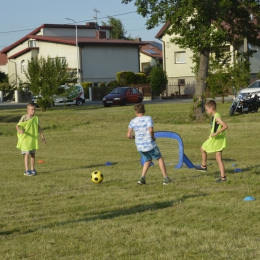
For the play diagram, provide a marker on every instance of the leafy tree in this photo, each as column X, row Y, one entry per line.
column 118, row 31
column 203, row 26
column 3, row 77
column 158, row 80
column 239, row 75
column 217, row 80
column 45, row 77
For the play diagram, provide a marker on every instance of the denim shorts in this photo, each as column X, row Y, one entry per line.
column 31, row 151
column 152, row 154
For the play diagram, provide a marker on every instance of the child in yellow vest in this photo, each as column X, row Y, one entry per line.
column 216, row 141
column 27, row 133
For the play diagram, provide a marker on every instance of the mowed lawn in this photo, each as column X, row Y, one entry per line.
column 62, row 214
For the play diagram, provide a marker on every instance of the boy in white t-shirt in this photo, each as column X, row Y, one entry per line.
column 145, row 142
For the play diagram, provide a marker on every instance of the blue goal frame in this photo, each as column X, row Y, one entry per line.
column 182, row 157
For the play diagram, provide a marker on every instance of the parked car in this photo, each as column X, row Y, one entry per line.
column 122, row 96
column 253, row 87
column 72, row 95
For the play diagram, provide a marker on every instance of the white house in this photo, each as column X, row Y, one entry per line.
column 97, row 56
column 177, row 63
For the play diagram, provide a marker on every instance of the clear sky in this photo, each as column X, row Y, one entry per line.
column 20, row 17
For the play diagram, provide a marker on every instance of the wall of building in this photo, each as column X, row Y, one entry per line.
column 101, row 63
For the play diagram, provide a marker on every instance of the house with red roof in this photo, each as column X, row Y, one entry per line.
column 97, row 56
column 150, row 55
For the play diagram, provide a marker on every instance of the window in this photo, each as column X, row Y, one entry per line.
column 145, row 65
column 32, row 44
column 180, row 57
column 23, row 66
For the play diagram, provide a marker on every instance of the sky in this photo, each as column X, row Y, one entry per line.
column 19, row 18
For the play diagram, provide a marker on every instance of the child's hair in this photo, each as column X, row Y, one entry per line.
column 211, row 104
column 139, row 108
column 30, row 105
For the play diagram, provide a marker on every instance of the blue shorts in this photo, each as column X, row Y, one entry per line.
column 152, row 154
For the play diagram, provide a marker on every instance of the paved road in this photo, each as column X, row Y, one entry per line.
column 7, row 104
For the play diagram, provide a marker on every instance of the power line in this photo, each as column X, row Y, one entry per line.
column 76, row 22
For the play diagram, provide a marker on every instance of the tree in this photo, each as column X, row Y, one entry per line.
column 158, row 80
column 45, row 77
column 118, row 31
column 3, row 77
column 203, row 26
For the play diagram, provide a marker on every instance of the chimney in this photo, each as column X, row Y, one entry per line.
column 91, row 24
column 137, row 39
column 101, row 35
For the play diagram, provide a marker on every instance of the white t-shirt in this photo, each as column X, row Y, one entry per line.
column 143, row 139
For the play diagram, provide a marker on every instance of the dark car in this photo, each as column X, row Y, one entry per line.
column 122, row 96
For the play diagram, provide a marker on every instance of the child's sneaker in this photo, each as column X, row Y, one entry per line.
column 141, row 181
column 28, row 173
column 34, row 172
column 220, row 179
column 166, row 181
column 200, row 168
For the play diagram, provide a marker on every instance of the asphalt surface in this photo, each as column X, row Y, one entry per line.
column 10, row 104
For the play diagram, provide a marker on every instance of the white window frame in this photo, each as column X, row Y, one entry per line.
column 23, row 66
column 180, row 57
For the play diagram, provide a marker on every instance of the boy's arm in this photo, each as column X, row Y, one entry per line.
column 129, row 134
column 223, row 128
column 42, row 135
column 21, row 131
column 151, row 132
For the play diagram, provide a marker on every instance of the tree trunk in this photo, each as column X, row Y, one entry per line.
column 200, row 92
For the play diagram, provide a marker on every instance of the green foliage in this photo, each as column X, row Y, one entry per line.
column 112, row 84
column 5, row 86
column 102, row 84
column 239, row 75
column 140, row 78
column 118, row 31
column 125, row 78
column 158, row 80
column 45, row 77
column 203, row 26
column 218, row 79
column 3, row 77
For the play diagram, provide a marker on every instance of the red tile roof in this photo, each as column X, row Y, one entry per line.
column 3, row 59
column 152, row 49
column 70, row 40
column 22, row 52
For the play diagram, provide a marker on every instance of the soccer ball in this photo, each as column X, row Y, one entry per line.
column 97, row 176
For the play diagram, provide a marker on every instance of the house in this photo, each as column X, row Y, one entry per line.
column 97, row 56
column 150, row 55
column 178, row 63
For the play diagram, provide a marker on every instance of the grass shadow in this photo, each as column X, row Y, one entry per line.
column 114, row 214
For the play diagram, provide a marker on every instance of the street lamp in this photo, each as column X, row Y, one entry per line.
column 78, row 79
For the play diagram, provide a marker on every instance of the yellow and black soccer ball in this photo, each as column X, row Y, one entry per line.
column 97, row 177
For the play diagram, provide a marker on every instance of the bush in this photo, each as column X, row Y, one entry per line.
column 125, row 78
column 140, row 78
column 158, row 80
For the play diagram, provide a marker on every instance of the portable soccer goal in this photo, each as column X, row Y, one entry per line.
column 172, row 149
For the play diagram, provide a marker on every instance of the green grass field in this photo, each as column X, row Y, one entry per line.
column 61, row 214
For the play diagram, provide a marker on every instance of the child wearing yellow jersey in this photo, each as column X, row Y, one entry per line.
column 216, row 141
column 27, row 133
